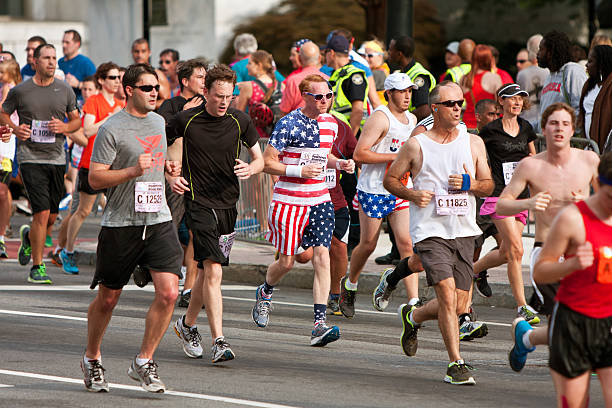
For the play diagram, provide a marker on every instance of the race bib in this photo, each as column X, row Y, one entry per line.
column 226, row 242
column 316, row 158
column 41, row 132
column 148, row 196
column 330, row 178
column 604, row 269
column 452, row 204
column 7, row 164
column 508, row 169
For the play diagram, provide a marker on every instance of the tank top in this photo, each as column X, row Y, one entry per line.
column 477, row 93
column 372, row 174
column 440, row 161
column 584, row 291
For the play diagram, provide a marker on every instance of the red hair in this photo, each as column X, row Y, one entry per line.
column 482, row 59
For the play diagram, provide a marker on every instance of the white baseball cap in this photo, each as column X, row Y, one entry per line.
column 399, row 81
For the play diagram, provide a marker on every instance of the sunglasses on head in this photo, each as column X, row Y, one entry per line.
column 112, row 77
column 319, row 97
column 521, row 61
column 147, row 88
column 450, row 104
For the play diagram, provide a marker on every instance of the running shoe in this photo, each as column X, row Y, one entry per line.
column 323, row 334
column 333, row 308
column 3, row 253
column 221, row 351
column 65, row 202
column 409, row 340
column 482, row 285
column 25, row 249
column 192, row 341
column 382, row 293
column 261, row 310
column 384, row 260
column 38, row 274
column 184, row 299
column 530, row 315
column 183, row 274
column 146, row 375
column 141, row 276
column 347, row 299
column 517, row 357
column 458, row 373
column 470, row 330
column 48, row 241
column 68, row 264
column 56, row 259
column 93, row 375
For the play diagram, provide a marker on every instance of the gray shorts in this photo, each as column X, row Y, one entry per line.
column 447, row 258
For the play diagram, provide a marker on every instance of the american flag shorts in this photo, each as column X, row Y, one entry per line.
column 380, row 205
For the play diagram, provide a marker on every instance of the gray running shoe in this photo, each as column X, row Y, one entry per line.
column 530, row 315
column 146, row 375
column 333, row 308
column 38, row 274
column 221, row 351
column 470, row 330
column 261, row 310
column 458, row 373
column 93, row 374
column 192, row 341
column 347, row 299
column 25, row 248
column 409, row 339
column 382, row 293
column 323, row 334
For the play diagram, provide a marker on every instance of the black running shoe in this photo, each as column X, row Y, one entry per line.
column 482, row 285
column 347, row 299
column 409, row 339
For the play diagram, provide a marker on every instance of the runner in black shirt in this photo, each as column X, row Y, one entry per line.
column 208, row 139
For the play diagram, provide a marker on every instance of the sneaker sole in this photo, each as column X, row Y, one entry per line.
column 329, row 336
column 226, row 356
column 190, row 355
column 404, row 337
column 449, row 380
column 480, row 332
column 380, row 281
column 47, row 281
column 134, row 376
column 334, row 313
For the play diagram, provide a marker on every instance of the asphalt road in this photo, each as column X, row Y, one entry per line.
column 43, row 332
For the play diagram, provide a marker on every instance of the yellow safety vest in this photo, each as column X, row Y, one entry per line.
column 416, row 70
column 341, row 103
column 456, row 73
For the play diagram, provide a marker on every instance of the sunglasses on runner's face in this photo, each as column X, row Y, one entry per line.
column 319, row 97
column 450, row 104
column 162, row 62
column 112, row 77
column 373, row 54
column 147, row 88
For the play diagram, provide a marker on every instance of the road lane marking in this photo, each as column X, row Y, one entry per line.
column 85, row 288
column 209, row 397
column 6, row 386
column 51, row 316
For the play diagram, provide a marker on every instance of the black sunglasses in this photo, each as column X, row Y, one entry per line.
column 319, row 97
column 147, row 88
column 112, row 77
column 162, row 62
column 521, row 61
column 450, row 104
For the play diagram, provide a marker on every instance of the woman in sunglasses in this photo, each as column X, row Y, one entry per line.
column 508, row 140
column 96, row 111
column 374, row 53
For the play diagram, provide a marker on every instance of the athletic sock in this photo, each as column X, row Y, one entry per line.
column 411, row 319
column 348, row 285
column 2, row 238
column 141, row 361
column 334, row 296
column 185, row 324
column 219, row 338
column 87, row 359
column 526, row 341
column 319, row 313
column 57, row 249
column 463, row 317
column 69, row 253
column 401, row 271
column 267, row 289
column 413, row 301
column 186, row 291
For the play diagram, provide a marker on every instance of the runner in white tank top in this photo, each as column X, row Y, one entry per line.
column 383, row 134
column 448, row 167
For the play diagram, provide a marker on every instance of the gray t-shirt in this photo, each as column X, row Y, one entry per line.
column 531, row 79
column 119, row 142
column 564, row 85
column 41, row 103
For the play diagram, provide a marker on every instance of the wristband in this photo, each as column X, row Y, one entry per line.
column 293, row 170
column 466, row 184
column 338, row 163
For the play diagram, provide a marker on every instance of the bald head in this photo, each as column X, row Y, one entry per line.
column 309, row 54
column 466, row 48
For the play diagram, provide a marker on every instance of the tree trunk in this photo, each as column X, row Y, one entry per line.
column 376, row 19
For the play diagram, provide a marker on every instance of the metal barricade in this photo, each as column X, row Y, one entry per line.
column 252, row 206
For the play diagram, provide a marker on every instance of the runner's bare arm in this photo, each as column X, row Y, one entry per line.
column 356, row 116
column 175, row 150
column 90, row 126
column 335, row 163
column 482, row 183
column 566, row 233
column 372, row 94
column 532, row 149
column 375, row 127
column 245, row 170
column 406, row 160
column 74, row 123
column 78, row 137
column 5, row 119
column 101, row 176
column 246, row 92
column 509, row 205
column 594, row 160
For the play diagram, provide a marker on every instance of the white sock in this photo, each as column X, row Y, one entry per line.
column 219, row 338
column 350, row 285
column 526, row 341
column 413, row 301
column 141, row 361
column 2, row 238
column 411, row 319
column 186, row 291
column 57, row 249
column 86, row 359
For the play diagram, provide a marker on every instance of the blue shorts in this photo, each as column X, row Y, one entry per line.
column 380, row 205
column 320, row 227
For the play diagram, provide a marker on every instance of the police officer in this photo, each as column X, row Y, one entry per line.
column 464, row 51
column 348, row 82
column 401, row 52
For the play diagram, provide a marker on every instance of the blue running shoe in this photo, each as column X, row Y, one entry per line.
column 323, row 334
column 68, row 263
column 25, row 248
column 261, row 310
column 518, row 353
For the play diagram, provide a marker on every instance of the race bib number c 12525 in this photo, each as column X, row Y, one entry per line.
column 148, row 196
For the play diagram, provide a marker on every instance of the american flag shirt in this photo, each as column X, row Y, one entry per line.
column 300, row 141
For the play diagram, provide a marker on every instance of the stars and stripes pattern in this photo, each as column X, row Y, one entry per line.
column 293, row 135
column 380, row 205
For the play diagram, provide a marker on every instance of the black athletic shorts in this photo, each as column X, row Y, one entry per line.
column 120, row 249
column 84, row 186
column 209, row 226
column 578, row 343
column 44, row 184
column 342, row 224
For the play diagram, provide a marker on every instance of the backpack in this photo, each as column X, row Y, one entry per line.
column 275, row 99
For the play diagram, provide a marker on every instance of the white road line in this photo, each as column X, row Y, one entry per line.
column 51, row 316
column 85, row 288
column 6, row 386
column 228, row 400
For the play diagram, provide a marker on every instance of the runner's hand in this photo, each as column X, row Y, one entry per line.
column 347, row 165
column 578, row 196
column 540, row 201
column 173, row 168
column 584, row 256
column 179, row 185
column 72, row 80
column 310, row 171
column 422, row 198
column 195, row 101
column 455, row 181
column 57, row 126
column 5, row 133
column 242, row 170
column 145, row 162
column 23, row 132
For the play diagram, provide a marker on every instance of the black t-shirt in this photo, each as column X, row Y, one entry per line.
column 210, row 146
column 171, row 107
column 420, row 96
column 503, row 148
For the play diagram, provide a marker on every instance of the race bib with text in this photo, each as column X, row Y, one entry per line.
column 41, row 133
column 316, row 158
column 148, row 196
column 508, row 169
column 452, row 204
